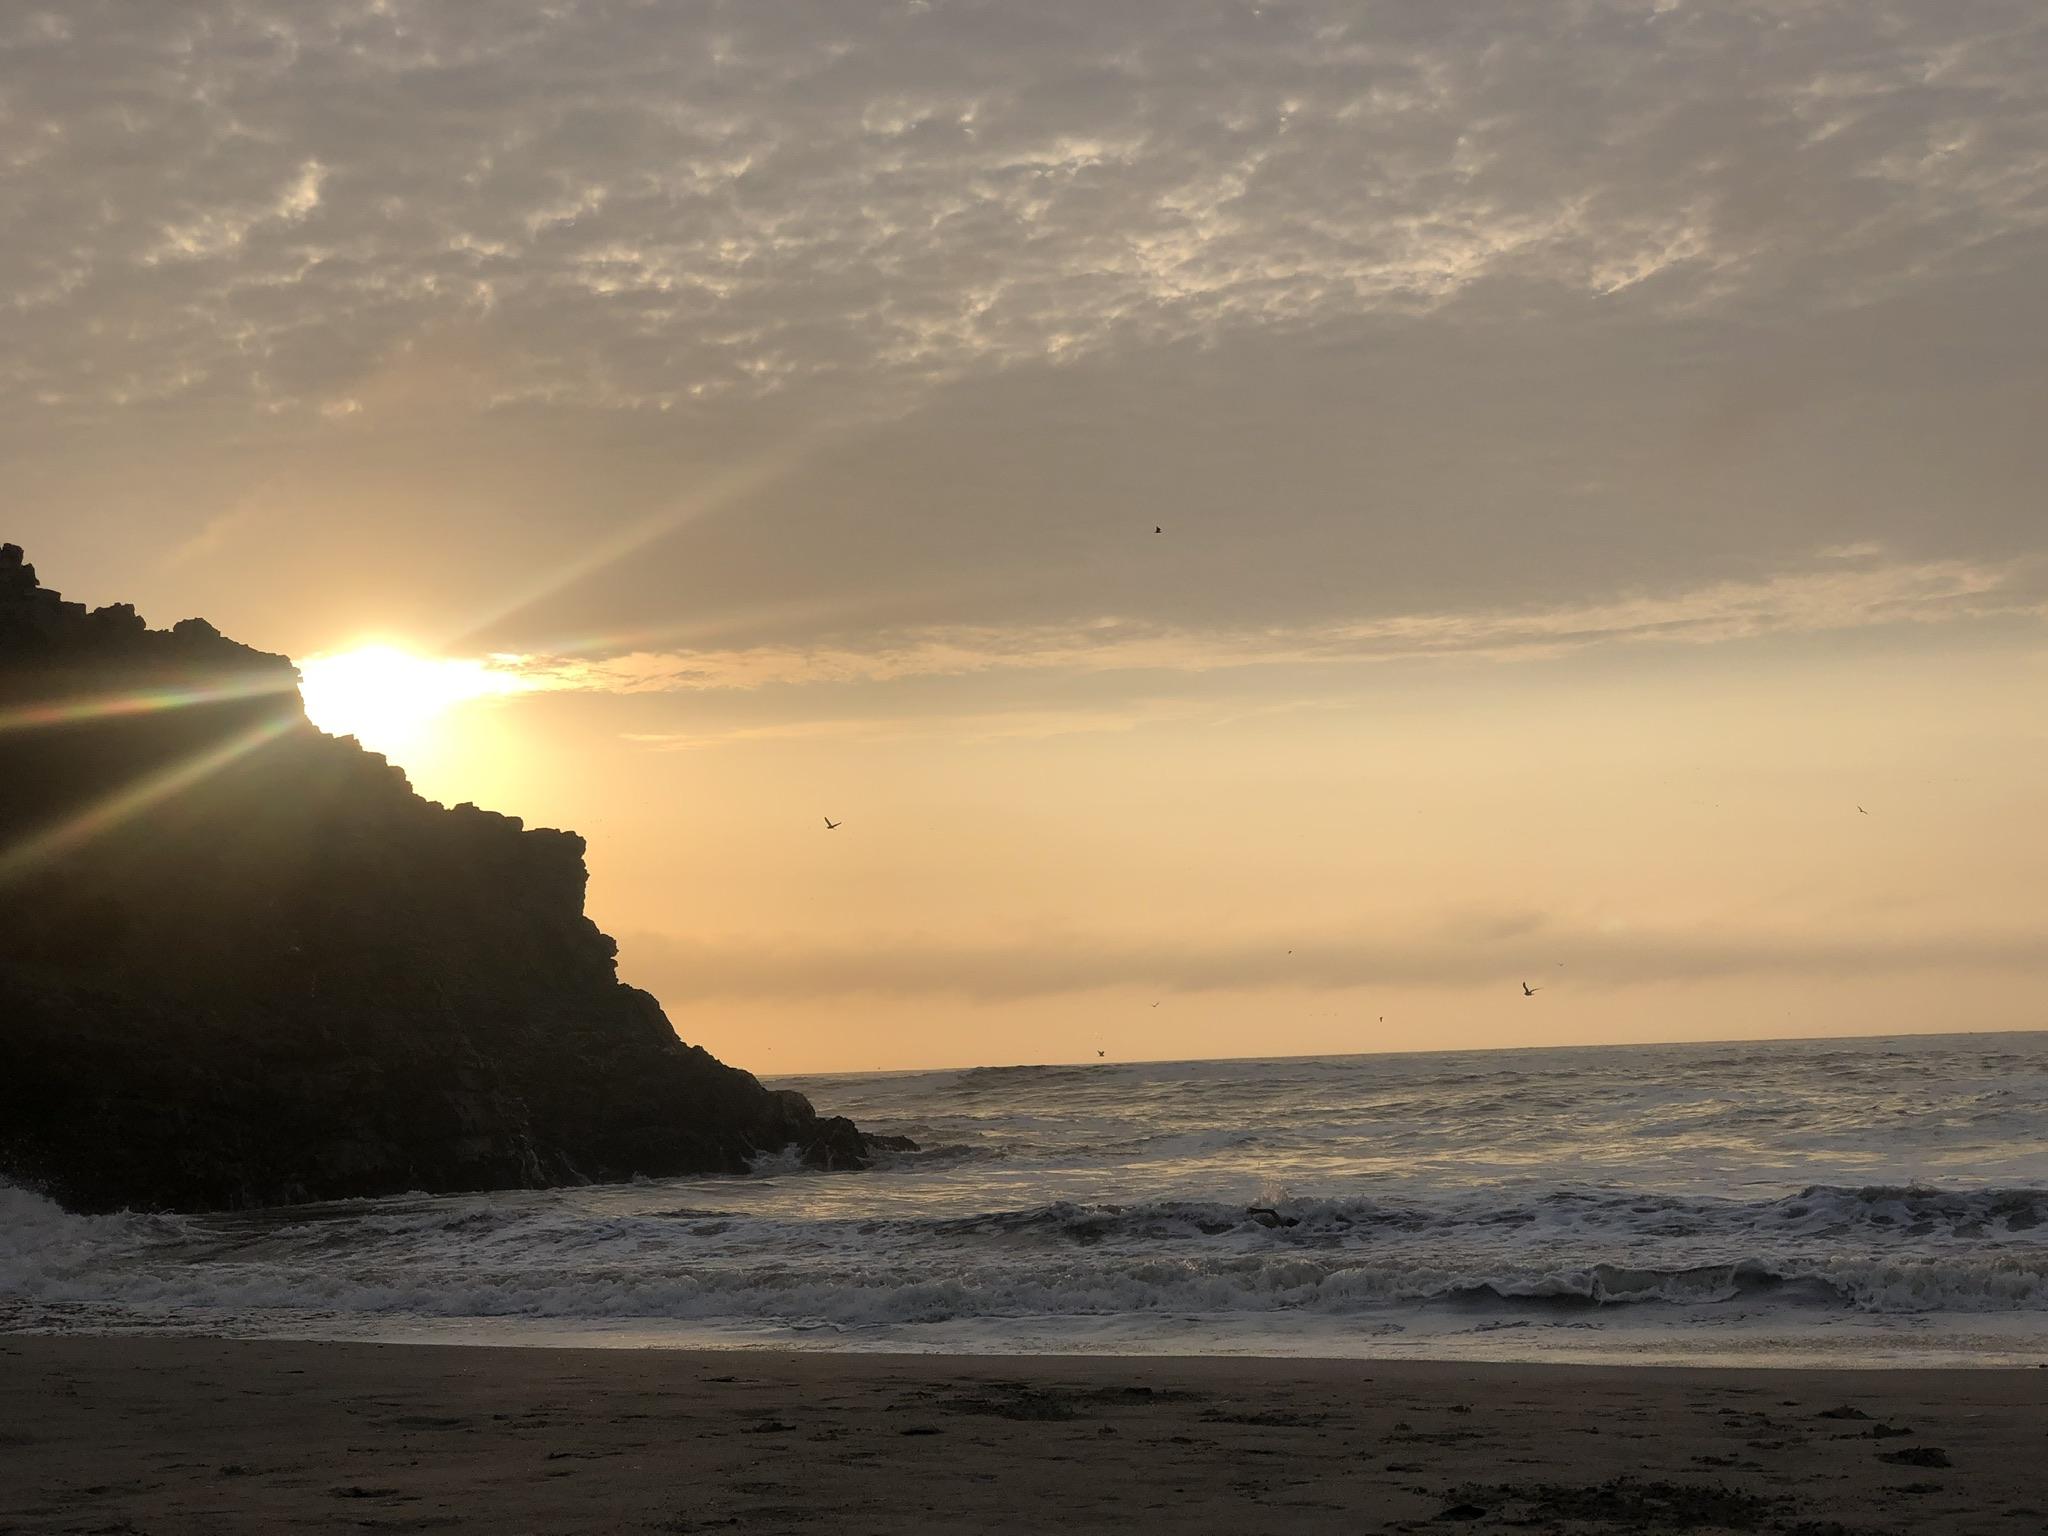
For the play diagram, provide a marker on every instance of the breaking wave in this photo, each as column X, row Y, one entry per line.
column 1193, row 1206
column 543, row 1258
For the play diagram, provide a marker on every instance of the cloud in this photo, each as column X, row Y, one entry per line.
column 971, row 726
column 498, row 326
column 666, row 207
column 1475, row 953
column 1845, row 590
column 215, row 232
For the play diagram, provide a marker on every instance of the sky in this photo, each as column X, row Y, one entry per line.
column 1596, row 449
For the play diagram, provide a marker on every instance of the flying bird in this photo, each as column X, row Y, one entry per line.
column 1157, row 529
column 1100, row 1054
column 1529, row 991
column 833, row 826
column 1860, row 808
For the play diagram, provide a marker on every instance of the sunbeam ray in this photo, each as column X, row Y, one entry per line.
column 719, row 491
column 111, row 810
column 140, row 701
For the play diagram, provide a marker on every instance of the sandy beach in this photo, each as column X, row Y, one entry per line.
column 171, row 1436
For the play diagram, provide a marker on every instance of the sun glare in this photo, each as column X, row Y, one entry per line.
column 388, row 698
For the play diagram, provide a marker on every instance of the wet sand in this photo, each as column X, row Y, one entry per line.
column 167, row 1436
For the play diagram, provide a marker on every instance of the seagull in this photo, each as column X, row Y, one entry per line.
column 1100, row 1054
column 1529, row 991
column 833, row 826
column 1860, row 808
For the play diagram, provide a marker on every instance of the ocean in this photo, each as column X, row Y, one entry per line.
column 1839, row 1202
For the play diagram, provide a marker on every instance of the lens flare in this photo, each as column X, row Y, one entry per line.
column 143, row 701
column 135, row 798
column 387, row 698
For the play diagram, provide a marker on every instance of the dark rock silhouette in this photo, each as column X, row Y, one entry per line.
column 242, row 963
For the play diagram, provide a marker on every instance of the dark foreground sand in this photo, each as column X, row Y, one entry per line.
column 169, row 1436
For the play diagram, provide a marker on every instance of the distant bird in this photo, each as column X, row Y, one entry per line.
column 1155, row 1005
column 1100, row 1054
column 1529, row 991
column 1157, row 529
column 833, row 826
column 1860, row 808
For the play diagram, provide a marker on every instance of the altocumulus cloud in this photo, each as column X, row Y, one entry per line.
column 666, row 207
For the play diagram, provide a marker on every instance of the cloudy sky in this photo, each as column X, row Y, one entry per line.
column 1597, row 446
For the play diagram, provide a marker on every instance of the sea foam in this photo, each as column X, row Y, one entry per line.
column 1353, row 1204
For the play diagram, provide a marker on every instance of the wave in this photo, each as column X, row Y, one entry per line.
column 554, row 1256
column 1819, row 1210
column 943, row 1155
column 976, row 1080
column 1787, row 1189
column 36, row 1233
column 890, row 1294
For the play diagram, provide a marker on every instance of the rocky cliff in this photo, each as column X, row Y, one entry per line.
column 242, row 963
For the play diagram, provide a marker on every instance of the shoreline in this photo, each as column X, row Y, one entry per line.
column 164, row 1435
column 2023, row 1346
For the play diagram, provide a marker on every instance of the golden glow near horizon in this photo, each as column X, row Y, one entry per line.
column 389, row 698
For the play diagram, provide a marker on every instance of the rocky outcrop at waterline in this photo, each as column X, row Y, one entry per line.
column 242, row 963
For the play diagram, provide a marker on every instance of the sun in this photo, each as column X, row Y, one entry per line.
column 388, row 698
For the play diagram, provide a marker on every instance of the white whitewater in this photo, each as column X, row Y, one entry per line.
column 1871, row 1201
